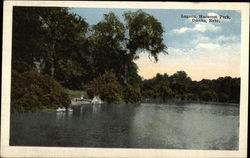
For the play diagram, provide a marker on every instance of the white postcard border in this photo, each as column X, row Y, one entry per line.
column 13, row 151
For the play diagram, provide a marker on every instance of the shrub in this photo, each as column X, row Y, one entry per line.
column 107, row 87
column 131, row 94
column 31, row 91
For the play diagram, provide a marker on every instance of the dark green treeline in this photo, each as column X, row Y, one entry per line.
column 53, row 48
column 180, row 87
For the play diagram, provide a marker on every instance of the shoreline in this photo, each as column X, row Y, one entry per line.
column 191, row 101
column 80, row 102
column 74, row 103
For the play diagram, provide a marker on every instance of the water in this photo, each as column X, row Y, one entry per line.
column 169, row 126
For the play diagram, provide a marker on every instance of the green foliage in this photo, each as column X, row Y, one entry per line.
column 180, row 86
column 180, row 82
column 157, row 87
column 31, row 91
column 145, row 33
column 27, row 38
column 106, row 48
column 75, row 93
column 115, row 43
column 208, row 95
column 131, row 94
column 107, row 87
column 191, row 96
column 53, row 41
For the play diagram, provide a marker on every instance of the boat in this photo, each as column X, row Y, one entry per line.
column 60, row 109
column 96, row 100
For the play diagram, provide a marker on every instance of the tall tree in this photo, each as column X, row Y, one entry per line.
column 63, row 33
column 27, row 38
column 106, row 44
column 180, row 82
column 144, row 34
column 120, row 44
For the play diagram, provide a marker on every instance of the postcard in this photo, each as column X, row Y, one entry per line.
column 124, row 79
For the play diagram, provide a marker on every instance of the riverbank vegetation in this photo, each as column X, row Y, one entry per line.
column 55, row 51
column 75, row 93
column 32, row 91
column 180, row 87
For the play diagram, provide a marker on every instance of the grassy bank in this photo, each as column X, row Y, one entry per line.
column 75, row 93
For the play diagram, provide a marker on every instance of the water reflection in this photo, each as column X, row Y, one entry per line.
column 64, row 115
column 96, row 108
column 172, row 126
column 188, row 126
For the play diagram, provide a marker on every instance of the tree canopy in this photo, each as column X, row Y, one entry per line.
column 144, row 33
column 180, row 87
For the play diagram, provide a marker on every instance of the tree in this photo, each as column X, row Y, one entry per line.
column 47, row 35
column 131, row 94
column 144, row 33
column 54, row 41
column 115, row 43
column 27, row 40
column 106, row 47
column 64, row 35
column 228, row 89
column 180, row 82
column 179, row 85
column 158, row 87
column 209, row 95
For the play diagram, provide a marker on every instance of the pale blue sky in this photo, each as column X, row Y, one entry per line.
column 203, row 50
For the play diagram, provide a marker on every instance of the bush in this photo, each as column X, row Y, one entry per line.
column 107, row 87
column 131, row 94
column 31, row 91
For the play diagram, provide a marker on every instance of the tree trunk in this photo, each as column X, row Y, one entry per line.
column 125, row 73
column 53, row 60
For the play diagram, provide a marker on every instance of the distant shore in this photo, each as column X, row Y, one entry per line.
column 191, row 101
column 75, row 102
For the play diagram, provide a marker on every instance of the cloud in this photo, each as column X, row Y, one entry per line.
column 203, row 27
column 200, row 38
column 177, row 51
column 207, row 46
column 230, row 38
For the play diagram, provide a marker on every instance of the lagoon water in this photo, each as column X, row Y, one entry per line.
column 148, row 125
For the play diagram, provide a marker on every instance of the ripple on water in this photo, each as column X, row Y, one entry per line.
column 170, row 126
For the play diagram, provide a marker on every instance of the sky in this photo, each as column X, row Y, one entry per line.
column 204, row 50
